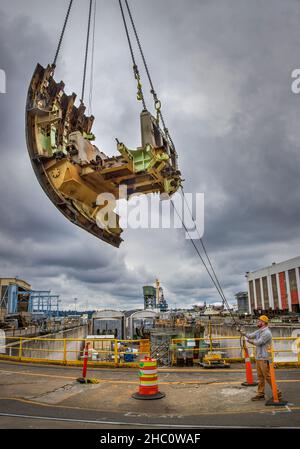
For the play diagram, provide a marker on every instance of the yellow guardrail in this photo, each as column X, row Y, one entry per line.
column 70, row 351
column 119, row 353
column 285, row 350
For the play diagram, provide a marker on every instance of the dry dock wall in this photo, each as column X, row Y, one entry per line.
column 52, row 346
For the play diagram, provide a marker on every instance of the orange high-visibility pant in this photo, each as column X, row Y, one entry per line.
column 263, row 375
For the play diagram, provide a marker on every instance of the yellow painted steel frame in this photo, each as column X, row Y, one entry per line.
column 175, row 341
column 73, row 172
column 19, row 345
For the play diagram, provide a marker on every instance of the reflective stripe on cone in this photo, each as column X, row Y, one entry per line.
column 148, row 387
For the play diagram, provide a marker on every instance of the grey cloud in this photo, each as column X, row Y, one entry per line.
column 222, row 70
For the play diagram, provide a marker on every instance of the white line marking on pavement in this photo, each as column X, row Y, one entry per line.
column 121, row 423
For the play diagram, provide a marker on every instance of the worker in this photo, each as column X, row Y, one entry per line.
column 262, row 339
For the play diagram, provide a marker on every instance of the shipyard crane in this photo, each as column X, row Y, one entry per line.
column 72, row 171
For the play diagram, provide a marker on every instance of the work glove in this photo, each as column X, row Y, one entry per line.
column 239, row 329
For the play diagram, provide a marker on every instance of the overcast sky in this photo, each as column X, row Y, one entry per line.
column 222, row 69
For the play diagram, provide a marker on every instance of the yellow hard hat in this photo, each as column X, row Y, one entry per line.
column 264, row 318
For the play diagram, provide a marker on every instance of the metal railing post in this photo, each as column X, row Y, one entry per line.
column 210, row 338
column 116, row 352
column 173, row 352
column 20, row 347
column 65, row 352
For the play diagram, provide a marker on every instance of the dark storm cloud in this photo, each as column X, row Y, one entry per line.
column 248, row 156
column 36, row 241
column 222, row 69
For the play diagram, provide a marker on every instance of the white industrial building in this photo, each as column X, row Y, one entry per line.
column 144, row 319
column 275, row 288
column 108, row 322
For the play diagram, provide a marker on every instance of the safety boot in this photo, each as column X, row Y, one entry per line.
column 258, row 397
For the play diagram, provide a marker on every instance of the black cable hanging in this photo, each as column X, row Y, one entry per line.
column 213, row 277
column 152, row 91
column 219, row 289
column 193, row 243
column 140, row 95
column 86, row 50
column 224, row 299
column 139, row 45
column 92, row 60
column 202, row 244
column 62, row 33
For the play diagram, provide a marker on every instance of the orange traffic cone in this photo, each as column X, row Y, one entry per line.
column 274, row 400
column 249, row 375
column 148, row 388
column 83, row 379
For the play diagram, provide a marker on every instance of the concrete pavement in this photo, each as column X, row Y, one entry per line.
column 49, row 397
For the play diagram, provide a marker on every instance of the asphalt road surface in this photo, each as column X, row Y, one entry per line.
column 39, row 396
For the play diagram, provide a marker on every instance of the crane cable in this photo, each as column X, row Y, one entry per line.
column 140, row 95
column 86, row 46
column 216, row 284
column 86, row 50
column 62, row 33
column 92, row 60
column 157, row 102
column 224, row 300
